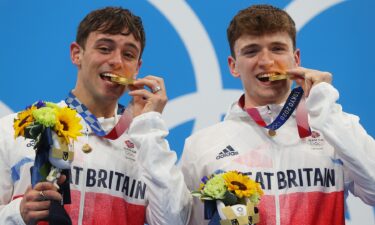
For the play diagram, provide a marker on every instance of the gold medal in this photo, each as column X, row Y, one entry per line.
column 271, row 133
column 122, row 80
column 86, row 148
column 119, row 79
column 278, row 77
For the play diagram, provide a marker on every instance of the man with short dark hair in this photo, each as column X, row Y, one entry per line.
column 125, row 178
column 305, row 173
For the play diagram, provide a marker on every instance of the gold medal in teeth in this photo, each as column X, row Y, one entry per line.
column 119, row 80
column 275, row 77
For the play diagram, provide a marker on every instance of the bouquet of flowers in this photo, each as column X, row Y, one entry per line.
column 32, row 122
column 52, row 129
column 230, row 198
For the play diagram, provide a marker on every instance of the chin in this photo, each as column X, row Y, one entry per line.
column 114, row 97
column 274, row 98
column 110, row 96
column 116, row 92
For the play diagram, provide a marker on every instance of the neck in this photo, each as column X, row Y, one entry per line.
column 98, row 107
column 251, row 102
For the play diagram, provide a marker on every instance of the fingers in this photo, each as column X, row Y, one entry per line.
column 307, row 78
column 156, row 89
column 43, row 191
column 154, row 83
column 44, row 186
column 61, row 179
column 31, row 216
column 36, row 202
column 152, row 99
column 49, row 195
column 38, row 205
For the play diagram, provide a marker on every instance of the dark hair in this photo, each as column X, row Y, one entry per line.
column 111, row 20
column 259, row 20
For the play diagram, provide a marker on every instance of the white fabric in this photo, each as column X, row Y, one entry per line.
column 339, row 157
column 134, row 175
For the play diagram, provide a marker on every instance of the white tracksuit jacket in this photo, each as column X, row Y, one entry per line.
column 305, row 180
column 128, row 181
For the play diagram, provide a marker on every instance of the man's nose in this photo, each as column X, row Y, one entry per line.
column 265, row 59
column 116, row 60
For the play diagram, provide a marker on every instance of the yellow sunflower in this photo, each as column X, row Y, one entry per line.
column 24, row 119
column 241, row 185
column 68, row 124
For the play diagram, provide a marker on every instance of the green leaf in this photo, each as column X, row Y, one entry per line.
column 44, row 170
column 196, row 193
column 38, row 142
column 34, row 130
column 206, row 198
column 229, row 198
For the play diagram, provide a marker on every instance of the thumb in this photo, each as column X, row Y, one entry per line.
column 61, row 179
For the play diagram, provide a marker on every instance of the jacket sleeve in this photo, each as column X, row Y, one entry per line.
column 169, row 201
column 9, row 209
column 352, row 144
column 189, row 167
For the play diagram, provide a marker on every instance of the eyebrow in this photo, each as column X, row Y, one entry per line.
column 279, row 43
column 244, row 48
column 249, row 46
column 131, row 45
column 110, row 41
column 254, row 45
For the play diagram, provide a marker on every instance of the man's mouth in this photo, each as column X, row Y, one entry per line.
column 116, row 78
column 274, row 76
column 107, row 76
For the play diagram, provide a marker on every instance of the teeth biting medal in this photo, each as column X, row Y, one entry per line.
column 278, row 77
column 273, row 77
column 118, row 79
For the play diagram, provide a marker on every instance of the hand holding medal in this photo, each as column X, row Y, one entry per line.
column 307, row 78
column 146, row 100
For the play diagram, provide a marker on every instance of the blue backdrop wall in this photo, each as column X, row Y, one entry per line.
column 186, row 44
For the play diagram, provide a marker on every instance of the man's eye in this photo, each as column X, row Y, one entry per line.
column 104, row 50
column 129, row 55
column 249, row 52
column 278, row 49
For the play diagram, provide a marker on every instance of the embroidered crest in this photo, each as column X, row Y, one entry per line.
column 316, row 141
column 129, row 144
column 130, row 150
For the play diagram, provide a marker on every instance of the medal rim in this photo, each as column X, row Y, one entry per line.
column 86, row 148
column 271, row 133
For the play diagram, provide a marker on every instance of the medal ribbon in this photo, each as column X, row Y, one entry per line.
column 302, row 119
column 294, row 100
column 121, row 126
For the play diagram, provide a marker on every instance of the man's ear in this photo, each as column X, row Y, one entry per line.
column 75, row 54
column 297, row 57
column 233, row 67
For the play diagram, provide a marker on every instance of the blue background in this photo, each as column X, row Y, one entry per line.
column 35, row 63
